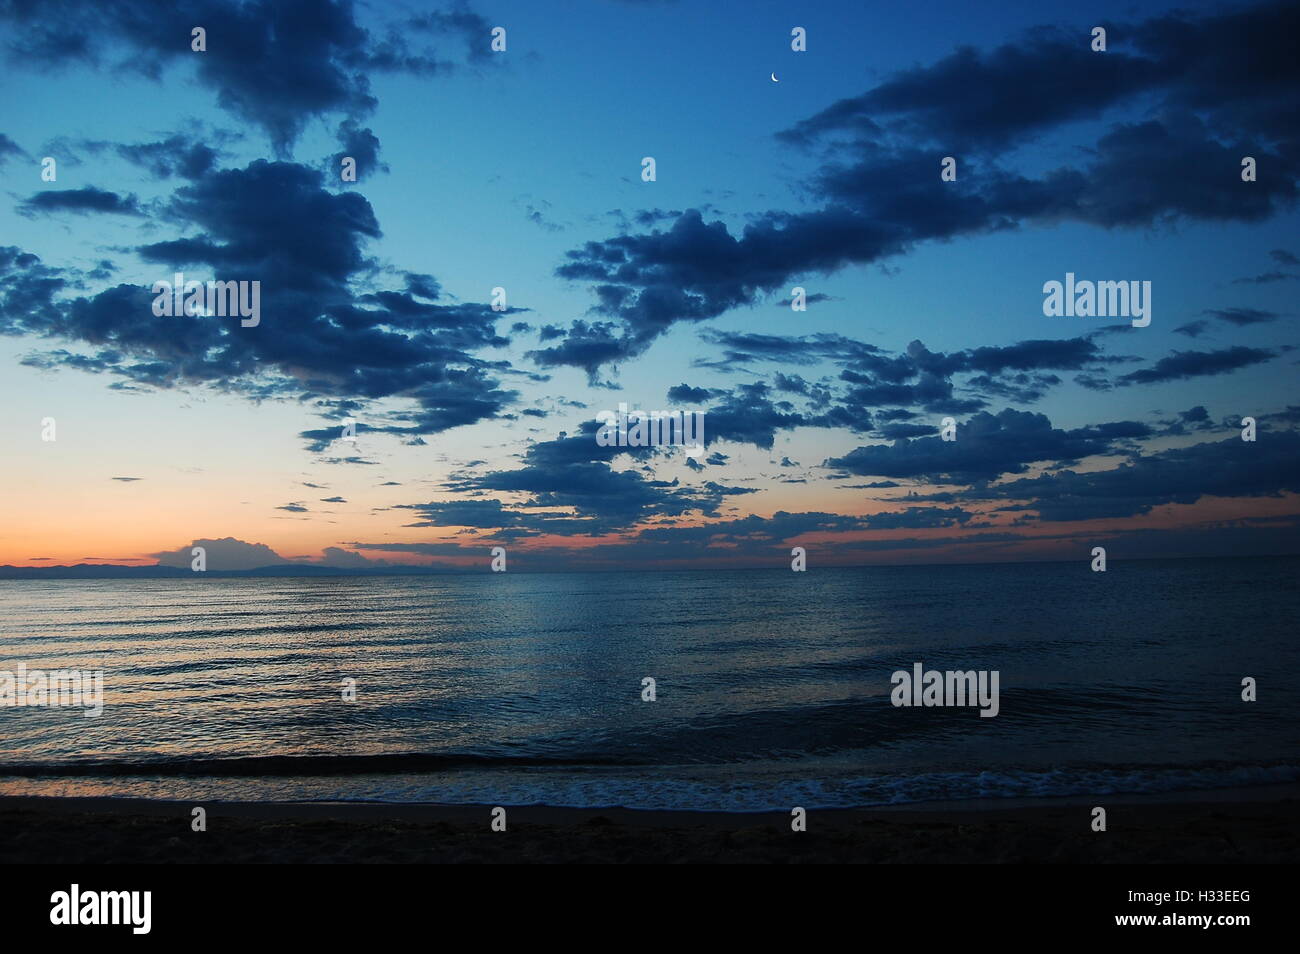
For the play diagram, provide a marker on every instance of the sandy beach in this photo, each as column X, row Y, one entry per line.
column 1258, row 825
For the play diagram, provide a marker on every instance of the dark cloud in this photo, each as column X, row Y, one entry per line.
column 756, row 531
column 808, row 300
column 348, row 460
column 1181, row 365
column 1230, row 468
column 180, row 154
column 1193, row 329
column 750, row 416
column 482, row 514
column 587, row 346
column 10, row 148
column 1282, row 257
column 974, row 100
column 871, row 380
column 1243, row 316
column 685, row 394
column 573, row 482
column 750, row 348
column 987, row 446
column 1193, row 419
column 461, row 22
column 538, row 217
column 1290, row 416
column 274, row 63
column 337, row 556
column 916, row 518
column 694, row 271
column 275, row 223
column 85, row 200
column 359, row 144
column 224, row 554
column 1224, row 87
column 1266, row 278
column 893, row 432
column 1236, row 66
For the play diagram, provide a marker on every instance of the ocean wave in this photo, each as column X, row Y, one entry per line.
column 533, row 782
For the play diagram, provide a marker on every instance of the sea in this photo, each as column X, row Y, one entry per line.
column 771, row 688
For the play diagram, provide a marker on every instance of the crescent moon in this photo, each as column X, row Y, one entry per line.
column 774, row 79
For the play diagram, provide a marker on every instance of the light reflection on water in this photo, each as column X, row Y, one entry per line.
column 770, row 683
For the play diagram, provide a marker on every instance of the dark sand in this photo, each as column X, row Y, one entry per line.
column 1259, row 825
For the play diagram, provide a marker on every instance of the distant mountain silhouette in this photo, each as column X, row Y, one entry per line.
column 112, row 571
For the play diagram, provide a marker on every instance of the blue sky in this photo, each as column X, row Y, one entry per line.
column 521, row 169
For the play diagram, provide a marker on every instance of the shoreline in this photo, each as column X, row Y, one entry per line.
column 1252, row 825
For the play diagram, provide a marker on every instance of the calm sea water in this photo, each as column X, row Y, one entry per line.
column 773, row 687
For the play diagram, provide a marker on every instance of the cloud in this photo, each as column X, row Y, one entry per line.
column 1265, row 278
column 987, row 446
column 224, row 554
column 1224, row 86
column 1243, row 316
column 685, row 394
column 1193, row 329
column 10, row 148
column 462, row 22
column 893, row 432
column 1235, row 66
column 1181, row 365
column 274, row 63
column 337, row 556
column 808, row 300
column 85, row 200
column 1282, row 257
column 1229, row 468
column 586, row 345
column 275, row 223
column 916, row 518
column 360, row 145
column 750, row 416
column 975, row 100
column 917, row 377
column 179, row 155
column 750, row 348
column 569, row 486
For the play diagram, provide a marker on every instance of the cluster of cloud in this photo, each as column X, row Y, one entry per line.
column 271, row 63
column 345, row 335
column 1224, row 86
column 330, row 336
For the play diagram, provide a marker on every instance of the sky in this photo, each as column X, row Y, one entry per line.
column 521, row 169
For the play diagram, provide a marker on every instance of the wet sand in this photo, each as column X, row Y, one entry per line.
column 1259, row 825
